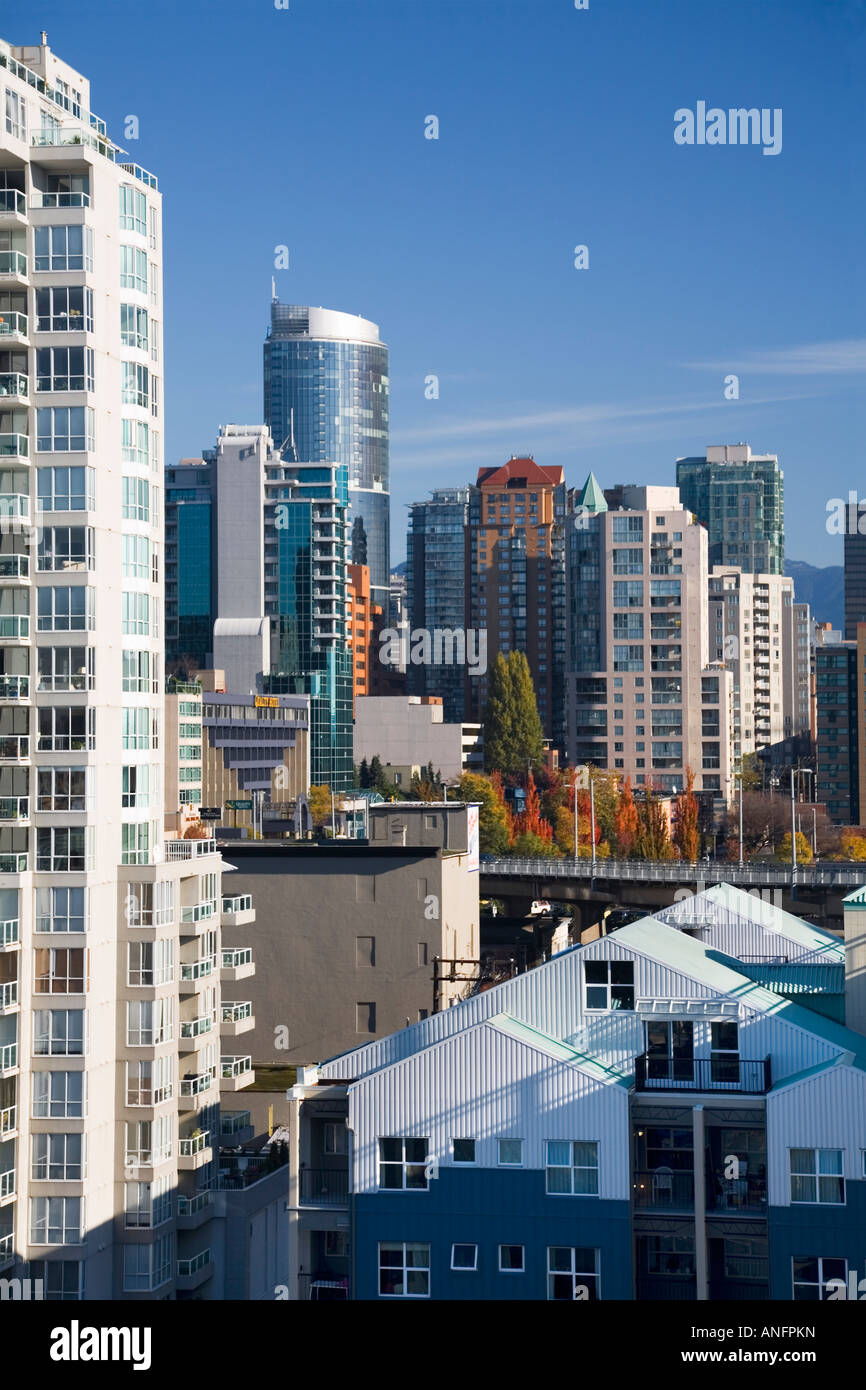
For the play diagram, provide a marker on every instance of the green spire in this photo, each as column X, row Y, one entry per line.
column 591, row 496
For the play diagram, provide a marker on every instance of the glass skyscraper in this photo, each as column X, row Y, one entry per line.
column 326, row 401
column 436, row 589
column 739, row 497
column 189, row 587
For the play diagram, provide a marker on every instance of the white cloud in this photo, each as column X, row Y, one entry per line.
column 842, row 357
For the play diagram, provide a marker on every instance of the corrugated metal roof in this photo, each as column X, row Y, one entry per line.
column 560, row 1050
column 797, row 977
column 776, row 919
column 857, row 898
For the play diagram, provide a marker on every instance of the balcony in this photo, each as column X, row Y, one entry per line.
column 13, row 325
column 720, row 1073
column 198, row 914
column 193, row 1212
column 235, row 1073
column 664, row 1190
column 13, row 864
column 15, row 505
column 14, row 627
column 7, row 1187
column 193, row 1272
column 238, row 911
column 195, row 972
column 9, row 937
column 9, row 1122
column 15, row 446
column 9, row 997
column 14, row 687
column 14, row 568
column 323, row 1187
column 13, row 205
column 194, row 1028
column 194, row 1152
column 236, row 963
column 237, row 1018
column 746, row 1194
column 7, row 1249
column 9, row 1059
column 14, row 386
column 190, row 849
column 14, row 748
column 43, row 199
column 14, row 808
column 236, row 1127
column 191, row 1087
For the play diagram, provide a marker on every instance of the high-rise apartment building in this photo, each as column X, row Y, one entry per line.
column 642, row 697
column 515, row 567
column 854, row 560
column 739, row 497
column 840, row 707
column 360, row 615
column 189, row 585
column 110, row 948
column 762, row 636
column 436, row 589
column 326, row 401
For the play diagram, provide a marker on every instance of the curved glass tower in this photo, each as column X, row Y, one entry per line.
column 326, row 401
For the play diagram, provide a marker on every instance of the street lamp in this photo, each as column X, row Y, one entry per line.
column 793, row 828
column 592, row 815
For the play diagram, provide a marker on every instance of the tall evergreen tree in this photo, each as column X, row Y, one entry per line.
column 513, row 736
column 498, row 717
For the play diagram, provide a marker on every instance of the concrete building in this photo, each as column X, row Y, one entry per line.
column 410, row 730
column 515, row 558
column 762, row 637
column 643, row 697
column 182, row 754
column 436, row 590
column 641, row 1118
column 361, row 614
column 111, row 961
column 346, row 934
column 327, row 401
column 740, row 498
column 840, row 718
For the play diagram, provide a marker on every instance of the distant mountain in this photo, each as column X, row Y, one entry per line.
column 401, row 568
column 822, row 589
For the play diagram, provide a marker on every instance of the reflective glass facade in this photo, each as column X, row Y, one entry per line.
column 189, row 586
column 326, row 400
column 742, row 504
column 436, row 589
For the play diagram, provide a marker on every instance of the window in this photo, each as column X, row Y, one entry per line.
column 609, row 984
column 58, row 1033
column 133, row 210
column 135, row 843
column 62, row 789
column 817, row 1176
column 133, row 269
column 134, row 327
column 725, row 1052
column 572, row 1168
column 404, row 1270
column 66, row 489
column 135, row 442
column 147, row 1267
column 464, row 1257
column 66, row 668
column 510, row 1153
column 135, row 384
column 58, row 1095
column 365, row 1013
column 66, row 608
column 153, row 227
column 136, row 786
column 149, row 1022
column 64, row 849
column 511, row 1259
column 149, row 1083
column 62, row 248
column 136, row 673
column 150, row 963
column 136, row 728
column 335, row 1139
column 670, row 1255
column 65, row 429
column 147, row 1204
column 65, row 548
column 66, row 730
column 572, row 1273
column 62, row 1280
column 64, row 369
column 135, row 614
column 463, row 1150
column 56, row 1220
column 812, row 1278
column 56, row 1157
column 63, row 309
column 403, row 1164
column 60, row 971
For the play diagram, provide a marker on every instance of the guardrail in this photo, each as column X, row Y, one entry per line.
column 709, row 871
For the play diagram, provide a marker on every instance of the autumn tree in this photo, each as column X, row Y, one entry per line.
column 625, row 820
column 687, row 838
column 852, row 846
column 653, row 840
column 320, row 805
column 804, row 849
column 494, row 827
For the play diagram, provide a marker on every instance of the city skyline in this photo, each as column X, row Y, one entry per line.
column 633, row 351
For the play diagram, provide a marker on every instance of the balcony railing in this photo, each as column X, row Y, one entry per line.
column 324, row 1288
column 323, row 1187
column 199, row 912
column 190, row 849
column 236, row 956
column 192, row 1266
column 233, row 1122
column 242, row 903
column 12, row 323
column 12, row 200
column 75, row 199
column 235, row 1066
column 748, row 1193
column 8, row 1119
column 13, row 383
column 14, row 808
column 235, row 1013
column 14, row 446
column 14, row 566
column 14, row 687
column 15, row 504
column 193, row 1028
column 8, row 994
column 8, row 1057
column 663, row 1189
column 9, row 928
column 198, row 969
column 751, row 1077
column 191, row 1206
column 196, row 1085
column 13, row 863
column 188, row 1148
column 15, row 626
column 7, row 1184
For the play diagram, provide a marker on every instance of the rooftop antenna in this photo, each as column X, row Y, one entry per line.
column 274, row 288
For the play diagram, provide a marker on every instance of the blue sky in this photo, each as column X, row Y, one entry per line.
column 305, row 127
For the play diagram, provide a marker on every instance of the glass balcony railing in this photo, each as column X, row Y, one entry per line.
column 194, row 1027
column 13, row 863
column 13, row 687
column 12, row 324
column 196, row 1085
column 242, row 903
column 77, row 199
column 11, row 200
column 188, row 1148
column 185, row 1268
column 8, row 1057
column 7, row 1184
column 236, row 956
column 14, row 566
column 198, row 969
column 15, row 625
column 233, row 1122
column 9, row 1119
column 191, row 1206
column 8, row 994
column 14, row 383
column 15, row 504
column 13, row 263
column 236, row 1013
column 9, row 928
column 14, row 748
column 198, row 912
column 14, row 808
column 14, row 446
column 235, row 1066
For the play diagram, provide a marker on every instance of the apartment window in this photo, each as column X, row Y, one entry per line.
column 61, row 970
column 149, row 1083
column 464, row 1257
column 133, row 269
column 154, row 396
column 365, row 1013
column 16, row 115
column 134, row 327
column 153, row 227
column 66, row 548
column 671, row 1255
column 135, row 843
column 335, row 1139
column 136, row 673
column 572, row 1273
column 133, row 210
column 64, row 369
column 509, row 1153
column 609, row 984
column 58, row 1033
column 627, row 528
column 136, row 786
column 816, row 1279
column 135, row 614
column 403, row 1164
column 149, row 1022
column 147, row 1267
column 66, row 608
column 62, row 248
column 463, row 1150
column 147, row 1204
column 150, row 963
column 511, row 1259
column 66, row 489
column 817, row 1176
column 136, row 728
column 404, row 1270
column 60, row 909
column 64, row 849
column 65, row 429
column 56, row 1157
column 66, row 668
column 572, row 1168
column 66, row 730
column 62, row 789
column 135, row 442
column 62, row 1280
column 58, row 1095
column 154, row 341
column 56, row 1220
column 64, row 309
